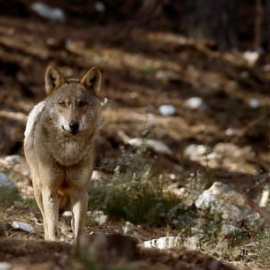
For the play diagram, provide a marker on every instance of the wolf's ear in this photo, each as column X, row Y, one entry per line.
column 92, row 80
column 53, row 79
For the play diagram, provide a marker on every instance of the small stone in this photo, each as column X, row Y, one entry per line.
column 155, row 145
column 167, row 110
column 175, row 189
column 163, row 242
column 23, row 226
column 254, row 103
column 231, row 132
column 205, row 200
column 128, row 228
column 13, row 159
column 99, row 6
column 196, row 103
column 172, row 176
column 252, row 245
column 5, row 266
column 195, row 151
column 97, row 216
column 96, row 175
column 232, row 206
column 4, row 181
column 251, row 57
column 45, row 11
column 158, row 147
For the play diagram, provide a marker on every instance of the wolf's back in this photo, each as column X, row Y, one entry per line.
column 33, row 118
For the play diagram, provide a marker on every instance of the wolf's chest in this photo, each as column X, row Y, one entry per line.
column 68, row 152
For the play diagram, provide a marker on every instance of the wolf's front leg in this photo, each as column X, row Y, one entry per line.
column 79, row 203
column 51, row 213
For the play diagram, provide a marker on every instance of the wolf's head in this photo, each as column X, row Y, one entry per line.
column 73, row 105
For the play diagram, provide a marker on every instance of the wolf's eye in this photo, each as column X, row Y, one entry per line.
column 81, row 103
column 62, row 103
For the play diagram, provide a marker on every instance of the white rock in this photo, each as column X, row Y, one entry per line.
column 172, row 176
column 5, row 266
column 155, row 145
column 99, row 6
column 159, row 147
column 252, row 245
column 195, row 151
column 129, row 228
column 230, row 205
column 23, row 226
column 4, row 181
column 45, row 11
column 96, row 175
column 163, row 242
column 167, row 110
column 251, row 57
column 205, row 200
column 135, row 141
column 97, row 216
column 265, row 196
column 13, row 159
column 196, row 103
column 231, row 132
column 254, row 103
column 175, row 189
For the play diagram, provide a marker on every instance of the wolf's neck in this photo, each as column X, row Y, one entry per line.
column 69, row 150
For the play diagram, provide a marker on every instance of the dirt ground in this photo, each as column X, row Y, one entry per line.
column 142, row 69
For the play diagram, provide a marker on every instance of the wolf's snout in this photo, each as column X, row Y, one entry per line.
column 74, row 127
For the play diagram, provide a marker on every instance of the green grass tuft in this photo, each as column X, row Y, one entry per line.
column 8, row 195
column 263, row 248
column 134, row 194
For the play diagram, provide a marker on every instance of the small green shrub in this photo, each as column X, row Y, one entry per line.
column 8, row 195
column 237, row 238
column 263, row 248
column 133, row 193
column 136, row 201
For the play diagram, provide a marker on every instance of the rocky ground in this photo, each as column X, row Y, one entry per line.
column 181, row 178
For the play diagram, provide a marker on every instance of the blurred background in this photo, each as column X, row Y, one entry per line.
column 185, row 85
column 189, row 80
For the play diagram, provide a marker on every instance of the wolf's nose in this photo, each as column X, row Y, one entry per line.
column 74, row 126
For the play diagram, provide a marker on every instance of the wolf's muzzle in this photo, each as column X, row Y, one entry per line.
column 74, row 127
